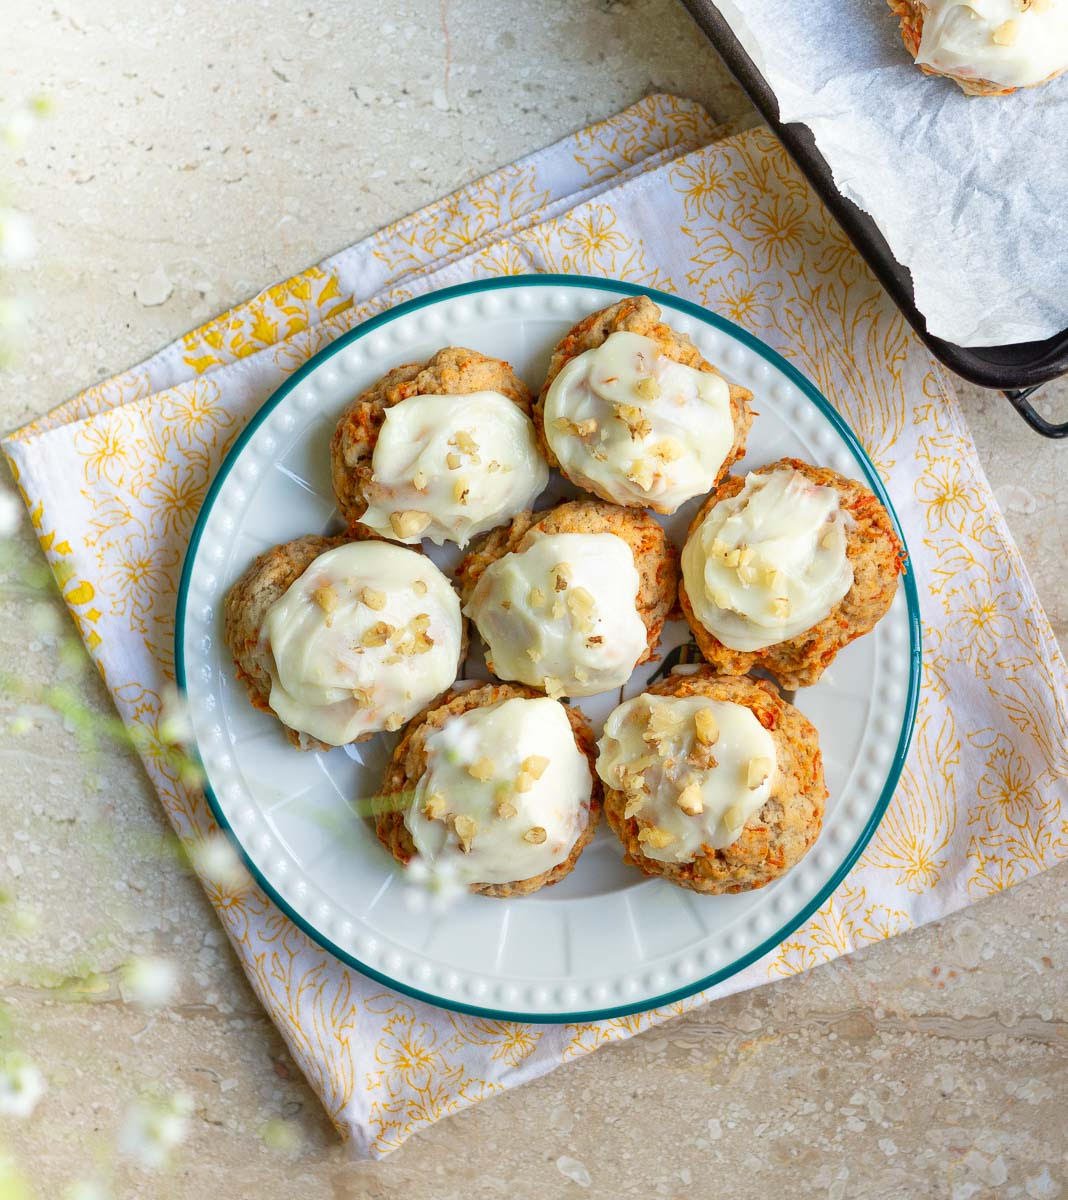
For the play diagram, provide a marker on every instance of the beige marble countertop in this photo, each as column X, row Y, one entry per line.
column 197, row 152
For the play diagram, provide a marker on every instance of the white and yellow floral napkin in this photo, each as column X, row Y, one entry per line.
column 114, row 478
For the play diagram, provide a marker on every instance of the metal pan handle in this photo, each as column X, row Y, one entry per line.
column 1018, row 398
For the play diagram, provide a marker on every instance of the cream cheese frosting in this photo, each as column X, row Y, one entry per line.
column 361, row 641
column 505, row 794
column 769, row 563
column 1014, row 43
column 633, row 424
column 449, row 467
column 693, row 771
column 561, row 613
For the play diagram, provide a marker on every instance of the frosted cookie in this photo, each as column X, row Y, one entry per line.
column 497, row 783
column 987, row 47
column 713, row 783
column 340, row 639
column 784, row 568
column 441, row 450
column 572, row 598
column 631, row 411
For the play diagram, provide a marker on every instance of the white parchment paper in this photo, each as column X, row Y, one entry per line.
column 971, row 193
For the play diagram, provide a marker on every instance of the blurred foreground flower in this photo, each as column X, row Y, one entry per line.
column 174, row 726
column 87, row 1189
column 10, row 512
column 149, row 982
column 153, row 1128
column 21, row 1087
column 13, row 1185
column 215, row 859
column 436, row 886
column 17, row 244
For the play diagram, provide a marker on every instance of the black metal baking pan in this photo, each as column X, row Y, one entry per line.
column 1015, row 370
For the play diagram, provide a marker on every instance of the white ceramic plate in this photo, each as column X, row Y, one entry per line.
column 606, row 940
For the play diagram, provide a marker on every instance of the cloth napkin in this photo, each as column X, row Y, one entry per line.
column 114, row 478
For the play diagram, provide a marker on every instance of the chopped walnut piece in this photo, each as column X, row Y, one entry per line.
column 583, row 607
column 690, row 800
column 745, row 555
column 587, row 427
column 719, row 548
column 536, row 598
column 419, row 481
column 667, row 449
column 460, row 491
column 706, row 727
column 492, row 466
column 377, row 634
column 434, row 808
column 635, row 420
column 1005, row 34
column 373, row 598
column 633, row 804
column 453, row 460
column 410, row 522
column 505, row 809
column 481, row 769
column 533, row 653
column 554, row 687
column 733, row 557
column 363, row 697
column 419, row 587
column 393, row 722
column 756, row 772
column 734, row 819
column 827, row 542
column 647, row 388
column 653, row 835
column 535, row 835
column 466, row 827
column 780, row 606
column 662, row 723
column 534, row 765
column 326, row 598
column 561, row 576
column 524, row 781
column 641, row 473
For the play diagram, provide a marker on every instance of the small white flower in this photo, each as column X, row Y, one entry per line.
column 174, row 725
column 435, row 884
column 149, row 982
column 153, row 1128
column 17, row 243
column 10, row 513
column 16, row 129
column 21, row 1087
column 216, row 861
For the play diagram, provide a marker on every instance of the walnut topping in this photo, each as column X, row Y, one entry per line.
column 662, row 723
column 410, row 522
column 756, row 772
column 827, row 541
column 453, row 460
column 373, row 598
column 466, row 827
column 668, row 449
column 376, row 635
column 326, row 598
column 594, row 640
column 633, row 805
column 780, row 606
column 562, row 575
column 733, row 557
column 524, row 781
column 653, row 835
column 1005, row 34
column 583, row 607
column 362, row 696
column 434, row 808
column 690, row 800
column 492, row 466
column 534, row 654
column 535, row 835
column 746, row 574
column 466, row 444
column 734, row 819
column 460, row 491
column 647, row 388
column 505, row 809
column 580, row 429
column 536, row 598
column 419, row 481
column 393, row 722
column 534, row 765
column 557, row 610
column 481, row 769
column 554, row 687
column 641, row 473
column 705, row 727
column 635, row 420
column 719, row 548
column 419, row 587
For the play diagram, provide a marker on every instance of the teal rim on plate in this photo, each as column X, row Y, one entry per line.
column 781, row 365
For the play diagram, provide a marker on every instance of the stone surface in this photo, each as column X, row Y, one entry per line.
column 199, row 151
